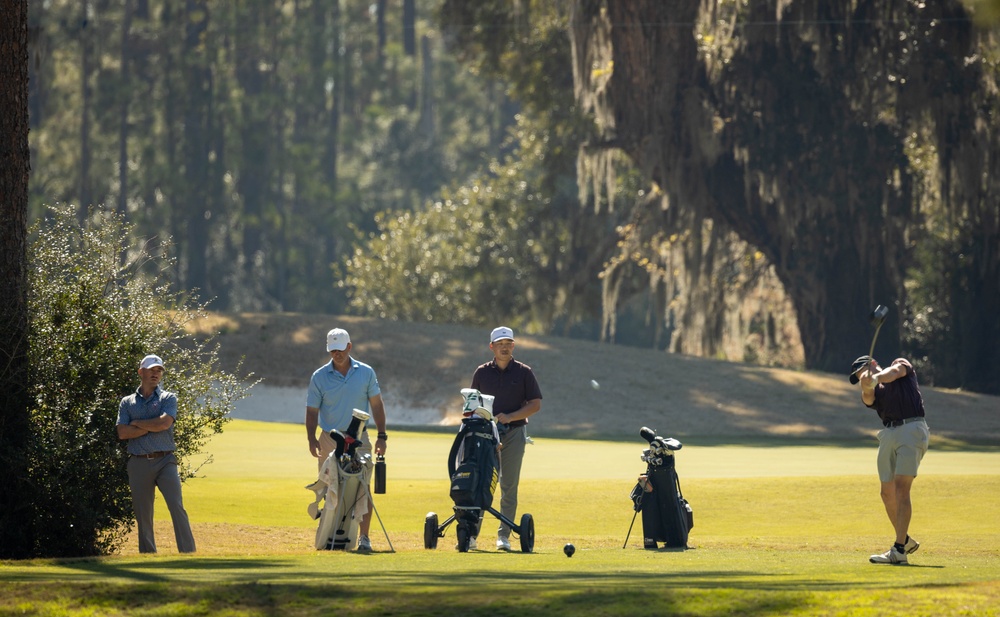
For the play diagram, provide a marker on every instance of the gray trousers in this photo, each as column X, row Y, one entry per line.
column 510, row 474
column 144, row 477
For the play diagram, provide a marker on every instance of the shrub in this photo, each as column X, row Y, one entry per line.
column 92, row 320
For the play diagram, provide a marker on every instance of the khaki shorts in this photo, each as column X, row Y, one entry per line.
column 900, row 450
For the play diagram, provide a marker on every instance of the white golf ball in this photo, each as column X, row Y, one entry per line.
column 594, row 384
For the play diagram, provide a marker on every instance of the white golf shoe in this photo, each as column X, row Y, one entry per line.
column 364, row 545
column 891, row 556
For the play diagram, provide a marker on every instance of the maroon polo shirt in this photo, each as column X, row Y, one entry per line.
column 900, row 399
column 511, row 387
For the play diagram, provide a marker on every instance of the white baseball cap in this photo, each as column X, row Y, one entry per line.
column 337, row 339
column 151, row 361
column 501, row 333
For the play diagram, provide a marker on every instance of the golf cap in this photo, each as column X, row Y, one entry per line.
column 859, row 364
column 501, row 333
column 151, row 361
column 337, row 339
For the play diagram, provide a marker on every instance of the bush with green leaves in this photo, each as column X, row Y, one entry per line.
column 511, row 245
column 98, row 304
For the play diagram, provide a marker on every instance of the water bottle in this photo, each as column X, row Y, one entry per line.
column 380, row 474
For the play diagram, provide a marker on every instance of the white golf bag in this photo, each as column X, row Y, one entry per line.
column 342, row 487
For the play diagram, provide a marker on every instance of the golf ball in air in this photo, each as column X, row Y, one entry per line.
column 594, row 384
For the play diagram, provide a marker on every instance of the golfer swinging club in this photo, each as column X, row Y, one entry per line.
column 894, row 394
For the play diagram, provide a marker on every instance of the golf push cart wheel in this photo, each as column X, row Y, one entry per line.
column 463, row 539
column 431, row 530
column 527, row 533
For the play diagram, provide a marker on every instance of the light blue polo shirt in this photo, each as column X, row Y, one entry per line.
column 135, row 407
column 336, row 395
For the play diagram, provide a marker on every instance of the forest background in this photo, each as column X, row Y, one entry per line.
column 743, row 181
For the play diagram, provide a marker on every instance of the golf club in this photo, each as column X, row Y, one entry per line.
column 877, row 318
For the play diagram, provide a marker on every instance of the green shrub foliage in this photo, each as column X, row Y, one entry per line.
column 98, row 304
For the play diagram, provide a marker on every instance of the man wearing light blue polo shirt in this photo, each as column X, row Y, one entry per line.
column 336, row 389
column 146, row 420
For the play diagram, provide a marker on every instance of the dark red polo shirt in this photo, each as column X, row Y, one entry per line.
column 900, row 399
column 511, row 387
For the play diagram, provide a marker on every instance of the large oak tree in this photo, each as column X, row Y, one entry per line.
column 840, row 138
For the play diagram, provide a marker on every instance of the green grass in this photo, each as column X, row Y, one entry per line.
column 779, row 530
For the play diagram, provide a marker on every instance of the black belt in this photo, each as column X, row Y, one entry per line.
column 152, row 455
column 895, row 423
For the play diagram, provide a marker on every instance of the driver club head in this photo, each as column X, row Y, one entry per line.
column 877, row 318
column 878, row 315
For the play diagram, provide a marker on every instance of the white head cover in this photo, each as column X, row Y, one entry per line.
column 478, row 404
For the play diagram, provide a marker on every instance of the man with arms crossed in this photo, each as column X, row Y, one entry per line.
column 893, row 392
column 146, row 420
column 335, row 391
column 516, row 397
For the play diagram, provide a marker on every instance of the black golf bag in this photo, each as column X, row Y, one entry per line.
column 474, row 469
column 666, row 515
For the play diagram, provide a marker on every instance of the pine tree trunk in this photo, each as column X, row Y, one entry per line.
column 196, row 145
column 15, row 496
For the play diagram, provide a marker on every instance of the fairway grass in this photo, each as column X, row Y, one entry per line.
column 779, row 530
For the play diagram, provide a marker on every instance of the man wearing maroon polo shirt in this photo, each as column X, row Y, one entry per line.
column 893, row 392
column 516, row 397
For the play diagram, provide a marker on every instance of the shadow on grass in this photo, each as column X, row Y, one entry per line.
column 287, row 572
column 476, row 596
column 414, row 593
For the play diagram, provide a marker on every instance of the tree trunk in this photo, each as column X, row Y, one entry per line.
column 126, row 98
column 410, row 28
column 256, row 141
column 427, row 89
column 410, row 40
column 788, row 135
column 196, row 144
column 381, row 7
column 14, row 370
column 86, row 34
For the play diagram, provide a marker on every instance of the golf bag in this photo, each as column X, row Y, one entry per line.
column 666, row 515
column 474, row 462
column 474, row 469
column 342, row 486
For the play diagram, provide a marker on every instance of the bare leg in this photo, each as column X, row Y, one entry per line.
column 904, row 507
column 888, row 494
column 896, row 497
column 366, row 520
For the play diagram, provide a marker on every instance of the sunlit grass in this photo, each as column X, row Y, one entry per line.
column 778, row 531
